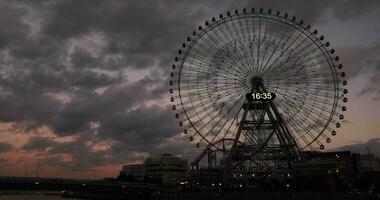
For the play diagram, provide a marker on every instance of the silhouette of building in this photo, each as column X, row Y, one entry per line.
column 338, row 170
column 166, row 169
column 135, row 172
column 369, row 163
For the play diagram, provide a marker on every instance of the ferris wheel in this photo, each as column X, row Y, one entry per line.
column 251, row 75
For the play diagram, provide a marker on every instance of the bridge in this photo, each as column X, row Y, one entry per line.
column 106, row 189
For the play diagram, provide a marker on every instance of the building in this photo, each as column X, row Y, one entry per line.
column 337, row 170
column 166, row 169
column 137, row 171
column 369, row 163
column 319, row 163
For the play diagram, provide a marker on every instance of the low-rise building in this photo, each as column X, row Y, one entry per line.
column 339, row 169
column 166, row 169
column 369, row 163
column 137, row 171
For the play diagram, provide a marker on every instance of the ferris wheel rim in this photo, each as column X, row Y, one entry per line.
column 315, row 39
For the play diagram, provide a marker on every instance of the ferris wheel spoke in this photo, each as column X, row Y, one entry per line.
column 234, row 62
column 223, row 50
column 311, row 87
column 309, row 126
column 259, row 47
column 286, row 41
column 308, row 113
column 298, row 128
column 281, row 56
column 299, row 60
column 323, row 99
column 241, row 39
column 249, row 50
column 209, row 104
column 305, row 103
column 294, row 53
column 273, row 52
column 295, row 66
column 216, row 123
column 310, row 99
column 206, row 63
column 226, row 114
column 299, row 122
column 299, row 66
column 236, row 40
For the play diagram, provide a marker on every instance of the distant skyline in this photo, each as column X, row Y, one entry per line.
column 83, row 84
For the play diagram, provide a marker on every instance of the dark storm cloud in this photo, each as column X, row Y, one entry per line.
column 146, row 32
column 80, row 49
column 55, row 160
column 20, row 107
column 89, row 107
column 370, row 68
column 345, row 10
column 363, row 61
column 142, row 31
column 30, row 79
column 314, row 12
column 12, row 28
column 41, row 48
column 84, row 156
column 91, row 80
column 38, row 143
column 353, row 59
column 5, row 147
column 83, row 59
column 141, row 127
column 81, row 154
column 372, row 146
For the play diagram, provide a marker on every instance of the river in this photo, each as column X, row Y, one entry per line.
column 32, row 197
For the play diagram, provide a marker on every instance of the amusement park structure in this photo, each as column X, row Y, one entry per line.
column 254, row 89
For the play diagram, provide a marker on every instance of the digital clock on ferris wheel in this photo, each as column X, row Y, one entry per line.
column 255, row 96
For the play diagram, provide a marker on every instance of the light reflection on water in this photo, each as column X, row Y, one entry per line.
column 32, row 197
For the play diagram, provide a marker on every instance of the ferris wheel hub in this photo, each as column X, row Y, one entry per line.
column 256, row 81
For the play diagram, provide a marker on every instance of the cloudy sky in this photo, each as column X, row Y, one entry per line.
column 83, row 84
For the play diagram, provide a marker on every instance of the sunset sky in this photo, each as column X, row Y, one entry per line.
column 83, row 84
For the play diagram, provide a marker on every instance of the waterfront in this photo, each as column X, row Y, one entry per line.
column 267, row 195
column 32, row 197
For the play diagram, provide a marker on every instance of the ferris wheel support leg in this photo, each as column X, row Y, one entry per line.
column 238, row 133
column 289, row 139
column 228, row 163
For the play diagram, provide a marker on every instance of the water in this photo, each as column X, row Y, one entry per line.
column 32, row 197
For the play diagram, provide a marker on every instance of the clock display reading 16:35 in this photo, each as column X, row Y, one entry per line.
column 260, row 96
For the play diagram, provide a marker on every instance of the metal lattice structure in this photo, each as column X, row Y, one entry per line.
column 257, row 51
